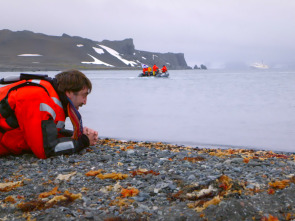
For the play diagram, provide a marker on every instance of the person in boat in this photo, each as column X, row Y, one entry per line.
column 33, row 113
column 164, row 69
column 145, row 71
column 149, row 71
column 155, row 70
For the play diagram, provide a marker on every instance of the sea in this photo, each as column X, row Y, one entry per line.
column 253, row 109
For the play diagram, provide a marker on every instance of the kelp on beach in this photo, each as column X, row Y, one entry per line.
column 150, row 180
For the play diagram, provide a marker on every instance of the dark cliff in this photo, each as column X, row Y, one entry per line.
column 35, row 51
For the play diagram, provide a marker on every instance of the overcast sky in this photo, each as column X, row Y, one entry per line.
column 206, row 31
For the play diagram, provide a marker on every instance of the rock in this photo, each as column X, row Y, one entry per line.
column 160, row 197
column 192, row 177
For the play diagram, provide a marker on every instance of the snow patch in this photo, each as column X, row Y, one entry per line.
column 79, row 45
column 96, row 61
column 29, row 55
column 143, row 58
column 98, row 50
column 117, row 55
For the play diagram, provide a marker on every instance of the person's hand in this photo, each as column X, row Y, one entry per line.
column 91, row 134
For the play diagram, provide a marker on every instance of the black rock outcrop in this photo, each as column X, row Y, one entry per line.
column 26, row 50
column 201, row 67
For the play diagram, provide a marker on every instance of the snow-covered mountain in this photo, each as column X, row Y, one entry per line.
column 23, row 50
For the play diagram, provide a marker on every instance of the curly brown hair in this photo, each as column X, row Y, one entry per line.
column 72, row 80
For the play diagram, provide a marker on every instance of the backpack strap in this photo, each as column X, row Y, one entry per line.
column 5, row 109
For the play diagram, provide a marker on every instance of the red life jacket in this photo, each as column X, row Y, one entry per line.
column 145, row 70
column 155, row 68
column 24, row 106
column 164, row 69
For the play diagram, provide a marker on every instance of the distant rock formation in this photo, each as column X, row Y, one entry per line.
column 26, row 50
column 201, row 67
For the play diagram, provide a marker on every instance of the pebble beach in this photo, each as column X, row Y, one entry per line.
column 128, row 180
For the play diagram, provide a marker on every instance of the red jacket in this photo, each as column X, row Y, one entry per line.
column 155, row 68
column 164, row 69
column 34, row 122
column 145, row 70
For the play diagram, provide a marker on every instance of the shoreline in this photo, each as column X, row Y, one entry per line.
column 67, row 67
column 58, row 68
column 130, row 180
column 202, row 145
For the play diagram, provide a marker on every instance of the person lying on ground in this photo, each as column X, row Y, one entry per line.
column 33, row 113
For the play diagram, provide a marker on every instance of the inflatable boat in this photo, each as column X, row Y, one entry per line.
column 159, row 75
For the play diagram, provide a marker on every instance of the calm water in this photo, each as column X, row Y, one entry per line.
column 250, row 109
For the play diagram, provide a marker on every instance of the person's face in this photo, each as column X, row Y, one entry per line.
column 78, row 98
